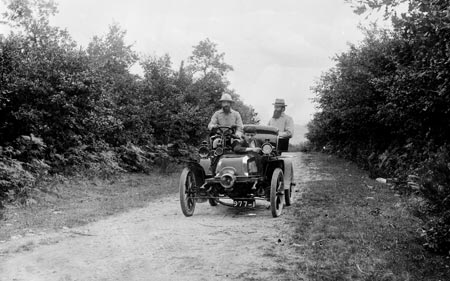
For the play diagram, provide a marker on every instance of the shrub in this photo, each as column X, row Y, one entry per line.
column 15, row 181
column 22, row 168
column 385, row 106
column 437, row 234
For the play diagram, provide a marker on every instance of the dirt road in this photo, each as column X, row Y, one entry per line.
column 159, row 243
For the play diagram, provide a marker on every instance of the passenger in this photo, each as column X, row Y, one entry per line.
column 248, row 143
column 226, row 116
column 280, row 120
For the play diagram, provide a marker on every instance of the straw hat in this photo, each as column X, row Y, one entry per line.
column 279, row 102
column 226, row 97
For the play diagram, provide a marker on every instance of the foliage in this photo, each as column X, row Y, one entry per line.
column 69, row 109
column 21, row 168
column 437, row 234
column 15, row 181
column 206, row 60
column 361, row 7
column 386, row 104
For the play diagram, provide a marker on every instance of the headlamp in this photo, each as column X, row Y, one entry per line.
column 203, row 151
column 218, row 151
column 227, row 180
column 267, row 148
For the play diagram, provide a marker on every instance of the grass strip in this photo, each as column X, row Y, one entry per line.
column 79, row 201
column 349, row 227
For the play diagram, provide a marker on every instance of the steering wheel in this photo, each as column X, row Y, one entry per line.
column 225, row 133
column 224, row 130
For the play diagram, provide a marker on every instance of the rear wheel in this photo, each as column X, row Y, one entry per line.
column 187, row 194
column 288, row 192
column 287, row 197
column 277, row 193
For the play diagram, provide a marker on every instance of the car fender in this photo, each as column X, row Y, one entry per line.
column 205, row 163
column 272, row 164
column 198, row 171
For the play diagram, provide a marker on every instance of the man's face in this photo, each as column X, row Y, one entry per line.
column 277, row 111
column 226, row 106
column 249, row 136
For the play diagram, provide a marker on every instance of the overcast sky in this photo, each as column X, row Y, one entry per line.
column 277, row 48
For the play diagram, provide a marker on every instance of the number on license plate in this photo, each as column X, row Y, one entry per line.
column 244, row 203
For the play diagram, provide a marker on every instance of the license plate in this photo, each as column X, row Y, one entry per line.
column 244, row 203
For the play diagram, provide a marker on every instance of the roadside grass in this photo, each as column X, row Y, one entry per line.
column 350, row 227
column 78, row 201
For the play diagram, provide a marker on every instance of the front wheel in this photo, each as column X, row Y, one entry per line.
column 277, row 192
column 187, row 193
column 212, row 202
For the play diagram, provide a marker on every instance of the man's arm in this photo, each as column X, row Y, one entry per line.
column 243, row 147
column 239, row 124
column 239, row 146
column 214, row 121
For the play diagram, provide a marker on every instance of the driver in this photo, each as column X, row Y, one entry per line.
column 226, row 116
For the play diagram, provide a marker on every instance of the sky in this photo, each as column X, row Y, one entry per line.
column 278, row 49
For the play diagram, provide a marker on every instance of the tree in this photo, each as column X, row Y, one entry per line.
column 205, row 59
column 368, row 6
column 46, row 85
column 110, row 59
column 208, row 69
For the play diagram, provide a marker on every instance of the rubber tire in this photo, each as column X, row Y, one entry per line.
column 212, row 202
column 187, row 181
column 288, row 192
column 287, row 197
column 276, row 201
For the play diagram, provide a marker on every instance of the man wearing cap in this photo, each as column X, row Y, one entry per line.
column 247, row 143
column 226, row 116
column 280, row 120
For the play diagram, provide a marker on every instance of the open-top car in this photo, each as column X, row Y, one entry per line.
column 222, row 174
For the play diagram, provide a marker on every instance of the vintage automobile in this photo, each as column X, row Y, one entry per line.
column 222, row 176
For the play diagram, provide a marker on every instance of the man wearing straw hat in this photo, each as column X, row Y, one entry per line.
column 226, row 116
column 280, row 120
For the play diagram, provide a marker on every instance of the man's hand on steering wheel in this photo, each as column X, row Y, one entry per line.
column 224, row 129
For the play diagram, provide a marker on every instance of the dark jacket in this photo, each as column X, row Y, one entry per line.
column 239, row 146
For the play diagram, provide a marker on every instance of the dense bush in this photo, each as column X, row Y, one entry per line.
column 21, row 168
column 68, row 109
column 386, row 106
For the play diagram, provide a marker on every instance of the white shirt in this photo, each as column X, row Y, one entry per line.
column 285, row 125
